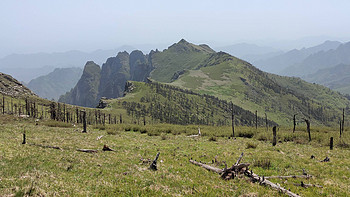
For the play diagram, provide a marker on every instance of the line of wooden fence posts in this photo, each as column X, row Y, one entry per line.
column 31, row 109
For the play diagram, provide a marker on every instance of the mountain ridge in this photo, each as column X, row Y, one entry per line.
column 56, row 83
column 220, row 74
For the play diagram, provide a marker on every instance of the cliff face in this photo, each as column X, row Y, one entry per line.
column 110, row 80
column 140, row 66
column 85, row 93
column 115, row 72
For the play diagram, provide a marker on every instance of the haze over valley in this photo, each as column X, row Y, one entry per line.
column 135, row 98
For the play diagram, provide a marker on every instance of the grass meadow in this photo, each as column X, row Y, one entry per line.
column 29, row 170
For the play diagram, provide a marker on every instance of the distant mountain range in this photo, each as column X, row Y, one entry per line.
column 336, row 78
column 200, row 69
column 282, row 64
column 56, row 83
column 26, row 67
column 250, row 52
column 320, row 60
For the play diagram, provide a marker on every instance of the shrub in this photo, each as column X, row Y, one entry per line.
column 342, row 144
column 262, row 137
column 112, row 132
column 289, row 138
column 52, row 123
column 251, row 145
column 153, row 133
column 247, row 134
column 263, row 163
column 127, row 128
column 163, row 137
column 144, row 130
column 99, row 127
column 136, row 129
column 212, row 139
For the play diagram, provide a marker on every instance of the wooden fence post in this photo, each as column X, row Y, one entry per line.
column 294, row 123
column 24, row 138
column 331, row 144
column 3, row 104
column 267, row 124
column 308, row 128
column 84, row 121
column 232, row 121
column 256, row 119
column 342, row 125
column 274, row 141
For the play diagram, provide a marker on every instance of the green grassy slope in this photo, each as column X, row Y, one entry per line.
column 280, row 98
column 168, row 104
column 28, row 170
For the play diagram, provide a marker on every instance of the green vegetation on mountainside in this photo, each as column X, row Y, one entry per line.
column 169, row 104
column 176, row 58
column 85, row 93
column 280, row 98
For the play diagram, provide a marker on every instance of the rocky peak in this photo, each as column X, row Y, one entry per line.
column 10, row 86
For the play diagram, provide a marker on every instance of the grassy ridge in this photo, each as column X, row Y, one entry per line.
column 168, row 104
column 180, row 56
column 32, row 170
column 279, row 97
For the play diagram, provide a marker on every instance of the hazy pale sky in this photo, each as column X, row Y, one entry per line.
column 47, row 26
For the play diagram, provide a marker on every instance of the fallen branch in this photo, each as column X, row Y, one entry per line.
column 243, row 169
column 106, row 148
column 263, row 181
column 208, row 167
column 238, row 160
column 87, row 150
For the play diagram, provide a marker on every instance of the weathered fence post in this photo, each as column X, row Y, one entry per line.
column 294, row 123
column 232, row 121
column 84, row 121
column 256, row 119
column 153, row 165
column 274, row 141
column 3, row 104
column 104, row 119
column 24, row 138
column 342, row 125
column 308, row 128
column 267, row 124
column 77, row 115
column 331, row 144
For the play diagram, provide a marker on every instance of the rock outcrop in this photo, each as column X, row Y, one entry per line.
column 11, row 87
